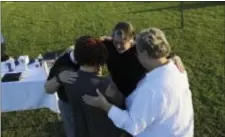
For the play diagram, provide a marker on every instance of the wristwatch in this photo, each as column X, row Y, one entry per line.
column 58, row 79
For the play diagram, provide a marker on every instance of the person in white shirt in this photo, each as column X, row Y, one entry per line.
column 161, row 105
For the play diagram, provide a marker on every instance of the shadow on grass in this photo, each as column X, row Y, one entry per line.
column 185, row 6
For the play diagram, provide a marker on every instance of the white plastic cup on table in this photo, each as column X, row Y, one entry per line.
column 24, row 60
column 40, row 59
column 37, row 63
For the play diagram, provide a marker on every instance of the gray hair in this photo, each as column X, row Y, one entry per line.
column 153, row 40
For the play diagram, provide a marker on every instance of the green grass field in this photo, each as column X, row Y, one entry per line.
column 36, row 27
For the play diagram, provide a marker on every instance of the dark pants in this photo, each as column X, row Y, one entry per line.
column 3, row 49
column 4, row 56
column 67, row 117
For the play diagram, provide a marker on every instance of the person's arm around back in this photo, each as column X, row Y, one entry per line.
column 66, row 76
column 52, row 85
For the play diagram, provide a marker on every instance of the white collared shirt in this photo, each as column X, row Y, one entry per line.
column 72, row 57
column 160, row 106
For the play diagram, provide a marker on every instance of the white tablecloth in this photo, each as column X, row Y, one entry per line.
column 28, row 93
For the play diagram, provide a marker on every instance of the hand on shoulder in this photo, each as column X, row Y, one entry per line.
column 105, row 38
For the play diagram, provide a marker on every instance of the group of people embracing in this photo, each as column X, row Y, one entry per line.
column 145, row 94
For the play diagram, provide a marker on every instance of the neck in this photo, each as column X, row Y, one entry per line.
column 88, row 69
column 155, row 63
column 97, row 70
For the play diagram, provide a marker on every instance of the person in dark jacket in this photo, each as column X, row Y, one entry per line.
column 90, row 122
column 123, row 64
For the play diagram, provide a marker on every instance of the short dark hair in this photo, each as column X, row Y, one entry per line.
column 90, row 51
column 124, row 30
column 81, row 40
column 153, row 40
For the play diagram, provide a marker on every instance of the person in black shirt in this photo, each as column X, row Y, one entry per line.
column 123, row 64
column 90, row 122
column 59, row 74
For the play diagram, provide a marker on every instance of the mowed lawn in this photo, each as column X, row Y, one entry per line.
column 36, row 27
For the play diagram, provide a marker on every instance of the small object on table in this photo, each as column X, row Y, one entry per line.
column 17, row 62
column 40, row 59
column 9, row 65
column 24, row 60
column 37, row 63
column 9, row 77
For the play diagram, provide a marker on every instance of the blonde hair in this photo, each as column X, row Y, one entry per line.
column 153, row 40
